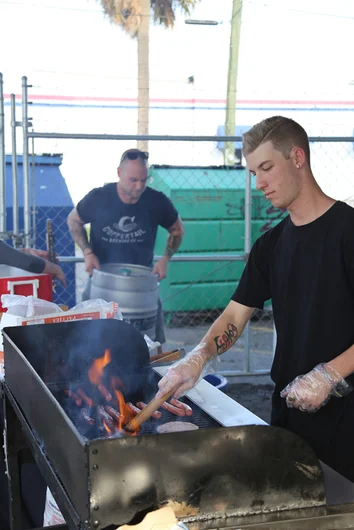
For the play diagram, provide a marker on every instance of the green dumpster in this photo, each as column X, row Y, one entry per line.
column 211, row 202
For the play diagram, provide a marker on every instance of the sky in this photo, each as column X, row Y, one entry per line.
column 56, row 43
column 289, row 49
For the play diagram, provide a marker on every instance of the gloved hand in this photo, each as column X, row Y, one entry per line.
column 313, row 390
column 185, row 374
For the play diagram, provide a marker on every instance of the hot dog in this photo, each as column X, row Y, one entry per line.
column 188, row 410
column 87, row 417
column 174, row 410
column 133, row 408
column 74, row 397
column 85, row 397
column 157, row 414
column 107, row 418
column 112, row 412
column 104, row 392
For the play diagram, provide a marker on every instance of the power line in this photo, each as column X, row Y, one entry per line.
column 44, row 6
column 77, row 9
column 303, row 11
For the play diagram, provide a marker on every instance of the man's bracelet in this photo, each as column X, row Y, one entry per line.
column 88, row 253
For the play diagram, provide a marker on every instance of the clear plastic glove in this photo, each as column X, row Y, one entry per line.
column 186, row 373
column 313, row 390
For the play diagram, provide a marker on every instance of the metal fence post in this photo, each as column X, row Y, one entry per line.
column 15, row 227
column 248, row 244
column 26, row 174
column 2, row 159
column 33, row 181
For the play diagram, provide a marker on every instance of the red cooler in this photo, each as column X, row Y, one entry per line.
column 18, row 281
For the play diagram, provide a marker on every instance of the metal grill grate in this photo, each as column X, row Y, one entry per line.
column 91, row 432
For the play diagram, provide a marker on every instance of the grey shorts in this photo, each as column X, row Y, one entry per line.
column 160, row 325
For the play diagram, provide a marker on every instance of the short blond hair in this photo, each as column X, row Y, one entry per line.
column 284, row 133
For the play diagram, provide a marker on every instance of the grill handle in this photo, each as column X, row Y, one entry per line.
column 145, row 414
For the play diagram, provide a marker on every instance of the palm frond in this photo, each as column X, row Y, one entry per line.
column 124, row 13
column 127, row 13
column 165, row 10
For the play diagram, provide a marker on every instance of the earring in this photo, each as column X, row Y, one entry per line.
column 298, row 166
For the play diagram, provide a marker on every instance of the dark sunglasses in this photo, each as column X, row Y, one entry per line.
column 134, row 155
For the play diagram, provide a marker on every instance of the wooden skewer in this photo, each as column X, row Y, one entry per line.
column 171, row 355
column 146, row 413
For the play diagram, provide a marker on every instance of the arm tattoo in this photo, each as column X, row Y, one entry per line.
column 79, row 234
column 173, row 243
column 227, row 339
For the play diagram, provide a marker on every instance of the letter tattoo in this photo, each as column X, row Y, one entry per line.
column 227, row 339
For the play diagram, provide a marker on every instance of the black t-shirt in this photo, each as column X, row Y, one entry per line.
column 125, row 233
column 308, row 272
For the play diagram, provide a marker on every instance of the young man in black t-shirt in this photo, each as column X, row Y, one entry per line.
column 306, row 266
column 124, row 218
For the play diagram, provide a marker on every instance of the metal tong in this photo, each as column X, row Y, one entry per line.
column 50, row 247
column 170, row 355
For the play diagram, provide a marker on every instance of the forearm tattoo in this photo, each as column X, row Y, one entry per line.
column 173, row 243
column 227, row 339
column 79, row 234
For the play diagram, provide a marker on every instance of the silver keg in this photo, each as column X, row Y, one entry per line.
column 134, row 288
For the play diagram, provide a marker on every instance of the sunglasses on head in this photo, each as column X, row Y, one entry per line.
column 134, row 155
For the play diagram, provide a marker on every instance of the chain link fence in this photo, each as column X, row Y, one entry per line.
column 211, row 201
column 222, row 211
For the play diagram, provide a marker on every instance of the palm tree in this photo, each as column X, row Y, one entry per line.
column 134, row 17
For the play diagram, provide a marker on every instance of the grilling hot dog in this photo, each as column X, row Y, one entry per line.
column 157, row 414
column 87, row 417
column 104, row 392
column 84, row 397
column 188, row 410
column 74, row 397
column 133, row 408
column 113, row 412
column 174, row 410
column 105, row 416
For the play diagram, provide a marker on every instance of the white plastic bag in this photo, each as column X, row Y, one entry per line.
column 28, row 306
column 52, row 515
column 151, row 344
column 106, row 308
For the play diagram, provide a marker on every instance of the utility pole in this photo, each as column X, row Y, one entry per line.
column 230, row 119
column 143, row 74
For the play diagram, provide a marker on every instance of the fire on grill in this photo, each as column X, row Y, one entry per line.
column 83, row 380
column 102, row 409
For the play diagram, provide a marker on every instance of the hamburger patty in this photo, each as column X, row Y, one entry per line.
column 176, row 426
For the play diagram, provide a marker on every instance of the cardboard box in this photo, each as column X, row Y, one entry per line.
column 109, row 310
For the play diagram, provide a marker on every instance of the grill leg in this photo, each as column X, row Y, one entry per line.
column 14, row 443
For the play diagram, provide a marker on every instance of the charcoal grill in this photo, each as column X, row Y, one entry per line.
column 226, row 476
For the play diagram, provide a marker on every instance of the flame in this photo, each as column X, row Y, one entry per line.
column 95, row 372
column 95, row 375
column 108, row 430
column 126, row 414
column 116, row 382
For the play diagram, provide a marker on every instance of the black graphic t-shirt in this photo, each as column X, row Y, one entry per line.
column 125, row 233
